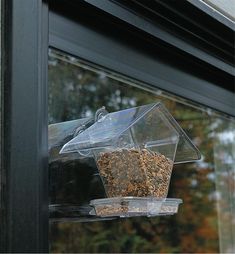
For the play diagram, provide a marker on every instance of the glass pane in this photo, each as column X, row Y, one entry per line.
column 205, row 221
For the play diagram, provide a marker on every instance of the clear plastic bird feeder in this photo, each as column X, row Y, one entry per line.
column 135, row 150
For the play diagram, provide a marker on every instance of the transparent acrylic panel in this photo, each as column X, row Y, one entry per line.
column 205, row 221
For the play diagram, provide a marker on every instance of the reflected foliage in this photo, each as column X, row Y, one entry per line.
column 75, row 92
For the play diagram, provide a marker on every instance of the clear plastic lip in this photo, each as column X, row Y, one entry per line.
column 134, row 206
column 131, row 198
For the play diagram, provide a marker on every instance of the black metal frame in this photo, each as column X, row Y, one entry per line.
column 229, row 22
column 116, row 38
column 172, row 22
column 24, row 194
column 102, row 32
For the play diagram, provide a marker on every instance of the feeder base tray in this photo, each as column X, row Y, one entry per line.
column 134, row 206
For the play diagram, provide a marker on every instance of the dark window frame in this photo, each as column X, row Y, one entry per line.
column 73, row 33
column 24, row 168
column 24, row 174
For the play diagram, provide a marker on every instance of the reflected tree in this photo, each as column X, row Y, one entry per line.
column 77, row 91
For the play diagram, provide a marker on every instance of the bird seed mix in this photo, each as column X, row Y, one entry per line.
column 133, row 172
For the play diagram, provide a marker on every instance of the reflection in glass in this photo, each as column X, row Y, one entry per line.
column 205, row 221
column 224, row 159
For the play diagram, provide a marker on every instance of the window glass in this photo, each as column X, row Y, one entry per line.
column 205, row 220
